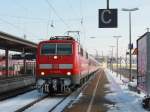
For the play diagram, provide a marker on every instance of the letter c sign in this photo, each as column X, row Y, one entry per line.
column 108, row 18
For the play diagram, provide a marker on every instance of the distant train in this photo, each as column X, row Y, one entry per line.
column 62, row 64
column 15, row 67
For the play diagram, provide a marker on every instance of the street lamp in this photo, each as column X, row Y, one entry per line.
column 92, row 37
column 96, row 55
column 117, row 38
column 130, row 44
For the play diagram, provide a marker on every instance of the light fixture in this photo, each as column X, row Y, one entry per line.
column 42, row 73
column 55, row 57
column 68, row 73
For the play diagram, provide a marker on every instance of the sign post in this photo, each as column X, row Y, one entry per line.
column 107, row 4
column 108, row 18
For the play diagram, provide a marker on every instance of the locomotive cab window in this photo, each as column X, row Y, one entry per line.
column 48, row 49
column 64, row 49
column 56, row 49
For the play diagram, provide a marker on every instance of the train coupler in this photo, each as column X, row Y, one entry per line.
column 53, row 86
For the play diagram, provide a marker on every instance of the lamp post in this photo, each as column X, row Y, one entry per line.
column 117, row 38
column 112, row 56
column 96, row 54
column 130, row 44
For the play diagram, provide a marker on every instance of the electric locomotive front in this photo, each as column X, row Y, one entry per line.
column 55, row 61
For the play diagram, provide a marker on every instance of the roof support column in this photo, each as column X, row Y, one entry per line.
column 6, row 62
column 24, row 61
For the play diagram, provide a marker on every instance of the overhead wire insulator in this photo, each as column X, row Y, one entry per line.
column 52, row 24
column 81, row 21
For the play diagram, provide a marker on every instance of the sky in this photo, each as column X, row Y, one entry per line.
column 34, row 18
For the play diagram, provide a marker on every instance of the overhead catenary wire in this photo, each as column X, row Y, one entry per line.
column 15, row 26
column 21, row 6
column 82, row 21
column 74, row 13
column 37, row 19
column 4, row 21
column 48, row 23
column 27, row 13
column 24, row 17
column 81, row 10
column 70, row 5
column 55, row 12
column 27, row 17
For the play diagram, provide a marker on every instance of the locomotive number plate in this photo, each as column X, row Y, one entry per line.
column 55, row 66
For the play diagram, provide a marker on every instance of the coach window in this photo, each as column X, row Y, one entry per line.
column 48, row 49
column 64, row 49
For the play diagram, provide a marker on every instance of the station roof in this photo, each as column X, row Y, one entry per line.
column 14, row 43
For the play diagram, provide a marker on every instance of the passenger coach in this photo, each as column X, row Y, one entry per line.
column 62, row 64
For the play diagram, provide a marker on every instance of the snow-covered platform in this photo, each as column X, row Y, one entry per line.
column 125, row 99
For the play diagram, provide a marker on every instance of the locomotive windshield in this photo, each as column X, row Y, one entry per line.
column 56, row 49
column 48, row 49
column 64, row 49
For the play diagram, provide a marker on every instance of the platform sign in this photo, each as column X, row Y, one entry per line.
column 108, row 18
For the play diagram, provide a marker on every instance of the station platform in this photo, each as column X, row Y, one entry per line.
column 12, row 83
column 92, row 98
column 17, row 60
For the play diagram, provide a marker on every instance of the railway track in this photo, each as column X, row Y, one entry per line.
column 52, row 104
column 30, row 104
column 61, row 102
column 47, row 97
column 70, row 99
column 65, row 102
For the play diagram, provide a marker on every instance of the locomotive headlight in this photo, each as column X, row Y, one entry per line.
column 42, row 73
column 55, row 57
column 68, row 73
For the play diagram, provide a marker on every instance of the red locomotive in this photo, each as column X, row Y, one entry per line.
column 62, row 64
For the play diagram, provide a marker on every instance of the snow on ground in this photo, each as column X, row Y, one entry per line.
column 17, row 102
column 45, row 105
column 125, row 100
column 74, row 97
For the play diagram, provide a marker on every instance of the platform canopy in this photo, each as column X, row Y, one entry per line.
column 14, row 43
